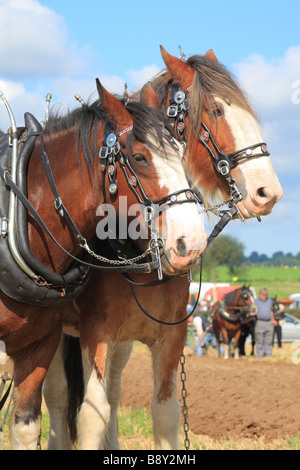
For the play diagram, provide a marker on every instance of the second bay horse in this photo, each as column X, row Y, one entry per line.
column 235, row 308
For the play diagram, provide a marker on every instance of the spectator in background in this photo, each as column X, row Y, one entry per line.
column 197, row 322
column 265, row 324
column 205, row 336
column 279, row 318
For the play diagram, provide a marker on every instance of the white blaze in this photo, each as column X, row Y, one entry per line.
column 260, row 186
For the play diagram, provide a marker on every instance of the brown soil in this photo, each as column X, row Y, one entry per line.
column 246, row 398
column 243, row 398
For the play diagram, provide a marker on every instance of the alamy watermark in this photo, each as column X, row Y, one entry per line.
column 134, row 221
column 296, row 92
column 296, row 353
column 124, row 222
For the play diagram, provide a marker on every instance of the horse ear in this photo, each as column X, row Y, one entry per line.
column 211, row 55
column 112, row 105
column 99, row 89
column 149, row 96
column 179, row 69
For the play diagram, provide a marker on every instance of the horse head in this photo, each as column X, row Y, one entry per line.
column 221, row 132
column 152, row 179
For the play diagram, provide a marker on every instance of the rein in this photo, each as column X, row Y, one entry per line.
column 161, row 322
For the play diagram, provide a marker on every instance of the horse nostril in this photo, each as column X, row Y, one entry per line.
column 262, row 192
column 181, row 247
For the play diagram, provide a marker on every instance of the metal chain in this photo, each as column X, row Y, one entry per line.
column 113, row 261
column 217, row 206
column 186, row 427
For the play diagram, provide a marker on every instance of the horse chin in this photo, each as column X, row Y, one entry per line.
column 244, row 211
column 175, row 266
column 249, row 210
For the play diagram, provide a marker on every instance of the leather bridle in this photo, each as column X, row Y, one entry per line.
column 110, row 153
column 223, row 163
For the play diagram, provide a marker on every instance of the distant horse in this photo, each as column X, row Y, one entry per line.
column 229, row 314
column 108, row 326
column 134, row 143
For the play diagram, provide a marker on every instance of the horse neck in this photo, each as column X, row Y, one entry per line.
column 231, row 301
column 78, row 194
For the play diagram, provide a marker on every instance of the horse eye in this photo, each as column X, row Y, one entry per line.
column 217, row 112
column 140, row 158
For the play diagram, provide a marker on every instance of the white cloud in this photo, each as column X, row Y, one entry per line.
column 138, row 78
column 271, row 82
column 34, row 42
column 37, row 57
column 274, row 86
column 11, row 89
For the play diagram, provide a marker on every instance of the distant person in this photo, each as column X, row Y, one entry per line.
column 198, row 324
column 265, row 323
column 204, row 334
column 279, row 317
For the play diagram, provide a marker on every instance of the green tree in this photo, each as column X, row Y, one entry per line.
column 224, row 251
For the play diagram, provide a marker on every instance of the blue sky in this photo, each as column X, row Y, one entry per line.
column 62, row 46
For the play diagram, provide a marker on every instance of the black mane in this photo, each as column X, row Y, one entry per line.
column 147, row 122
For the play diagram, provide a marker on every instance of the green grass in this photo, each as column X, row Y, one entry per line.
column 134, row 422
column 279, row 281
